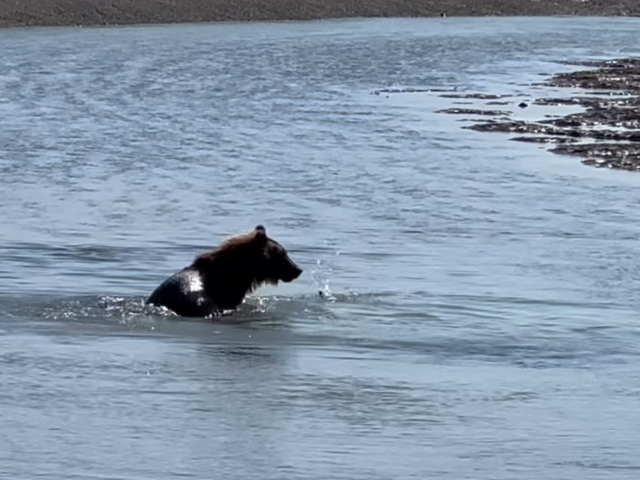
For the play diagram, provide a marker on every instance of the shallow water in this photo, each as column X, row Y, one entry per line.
column 479, row 309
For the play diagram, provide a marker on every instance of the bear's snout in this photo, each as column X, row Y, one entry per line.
column 293, row 273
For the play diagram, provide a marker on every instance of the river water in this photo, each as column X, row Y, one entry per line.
column 479, row 307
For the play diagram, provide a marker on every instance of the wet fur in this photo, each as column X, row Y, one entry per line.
column 220, row 279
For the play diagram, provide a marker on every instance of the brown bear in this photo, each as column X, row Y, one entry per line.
column 219, row 280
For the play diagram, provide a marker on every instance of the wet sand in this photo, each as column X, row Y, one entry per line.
column 126, row 12
column 606, row 133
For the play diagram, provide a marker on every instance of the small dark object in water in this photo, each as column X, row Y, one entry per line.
column 523, row 104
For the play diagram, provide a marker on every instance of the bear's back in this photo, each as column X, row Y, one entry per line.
column 183, row 293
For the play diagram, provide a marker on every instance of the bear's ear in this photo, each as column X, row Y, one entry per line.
column 260, row 234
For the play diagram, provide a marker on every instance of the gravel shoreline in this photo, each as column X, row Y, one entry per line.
column 29, row 13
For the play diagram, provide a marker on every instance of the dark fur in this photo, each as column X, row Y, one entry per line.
column 230, row 272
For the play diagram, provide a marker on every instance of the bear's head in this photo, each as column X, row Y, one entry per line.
column 243, row 263
column 273, row 263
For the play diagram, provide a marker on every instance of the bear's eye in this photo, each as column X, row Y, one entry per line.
column 275, row 253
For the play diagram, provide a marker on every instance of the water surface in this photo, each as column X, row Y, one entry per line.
column 480, row 295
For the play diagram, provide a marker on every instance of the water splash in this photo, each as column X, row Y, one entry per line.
column 321, row 275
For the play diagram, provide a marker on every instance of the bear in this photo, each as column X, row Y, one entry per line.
column 219, row 280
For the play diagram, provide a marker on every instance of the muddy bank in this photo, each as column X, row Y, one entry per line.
column 606, row 133
column 125, row 12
